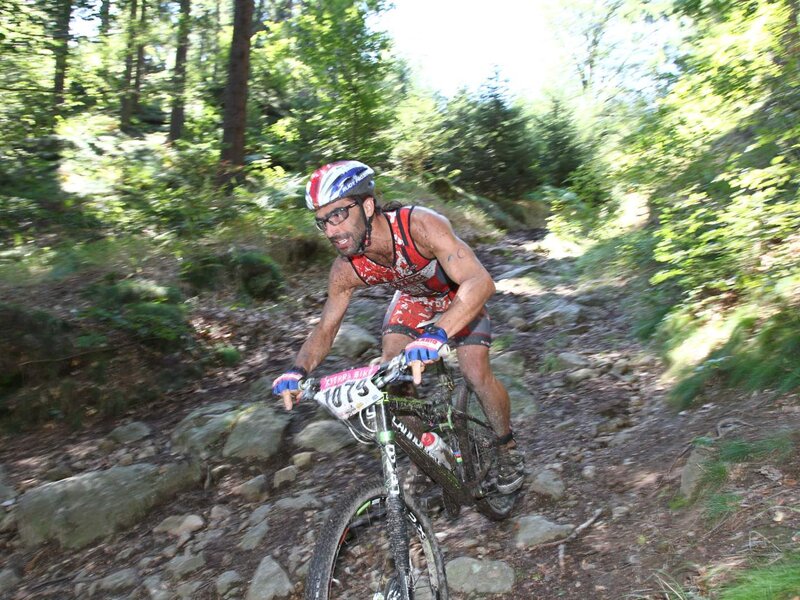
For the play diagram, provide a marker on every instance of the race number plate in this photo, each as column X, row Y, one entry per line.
column 349, row 392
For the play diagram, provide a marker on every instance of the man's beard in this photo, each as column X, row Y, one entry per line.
column 353, row 249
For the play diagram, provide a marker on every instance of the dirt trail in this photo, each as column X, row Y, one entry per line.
column 608, row 434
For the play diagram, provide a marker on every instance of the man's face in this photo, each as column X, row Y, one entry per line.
column 343, row 225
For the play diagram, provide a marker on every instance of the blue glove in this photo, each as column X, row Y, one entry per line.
column 289, row 381
column 428, row 346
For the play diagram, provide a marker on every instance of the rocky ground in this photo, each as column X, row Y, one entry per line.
column 214, row 493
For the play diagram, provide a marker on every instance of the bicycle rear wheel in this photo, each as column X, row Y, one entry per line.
column 353, row 560
column 478, row 444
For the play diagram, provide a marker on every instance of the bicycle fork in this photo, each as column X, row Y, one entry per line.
column 395, row 505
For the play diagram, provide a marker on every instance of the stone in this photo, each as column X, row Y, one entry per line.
column 472, row 576
column 570, row 360
column 254, row 536
column 300, row 502
column 352, row 341
column 156, row 588
column 301, row 460
column 258, row 433
column 269, row 581
column 324, row 436
column 132, row 432
column 119, row 581
column 285, row 476
column 227, row 581
column 694, row 470
column 80, row 509
column 511, row 364
column 580, row 375
column 183, row 564
column 589, row 472
column 548, row 482
column 8, row 580
column 535, row 529
column 204, row 428
column 186, row 591
column 180, row 525
column 219, row 513
column 564, row 314
column 259, row 514
column 254, row 490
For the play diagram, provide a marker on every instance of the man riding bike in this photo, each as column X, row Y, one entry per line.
column 439, row 303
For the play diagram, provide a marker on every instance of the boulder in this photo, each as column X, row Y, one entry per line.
column 352, row 341
column 535, row 529
column 258, row 433
column 270, row 581
column 472, row 576
column 326, row 437
column 80, row 509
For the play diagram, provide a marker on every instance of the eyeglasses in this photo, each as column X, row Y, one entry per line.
column 336, row 216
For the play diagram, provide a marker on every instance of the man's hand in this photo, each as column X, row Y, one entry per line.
column 425, row 350
column 287, row 386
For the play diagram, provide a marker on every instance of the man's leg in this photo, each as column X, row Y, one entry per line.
column 476, row 369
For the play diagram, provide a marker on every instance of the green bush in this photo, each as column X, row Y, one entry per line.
column 260, row 276
column 203, row 270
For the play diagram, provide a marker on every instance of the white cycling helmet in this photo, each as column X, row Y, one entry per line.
column 339, row 180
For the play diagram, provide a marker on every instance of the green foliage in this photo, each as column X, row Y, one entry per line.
column 228, row 356
column 776, row 581
column 261, row 277
column 144, row 309
column 485, row 144
column 735, row 451
column 721, row 505
column 560, row 149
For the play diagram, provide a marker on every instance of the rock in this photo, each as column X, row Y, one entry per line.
column 519, row 323
column 157, row 589
column 511, row 364
column 184, row 564
column 186, row 591
column 570, row 360
column 58, row 473
column 300, row 502
column 366, row 312
column 259, row 514
column 301, row 460
column 285, row 476
column 547, row 482
column 119, row 581
column 471, row 576
column 352, row 341
column 254, row 490
column 324, row 436
column 8, row 580
column 563, row 314
column 694, row 470
column 621, row 367
column 125, row 459
column 180, row 525
column 254, row 536
column 8, row 522
column 270, row 581
column 132, row 432
column 203, row 428
column 580, row 375
column 516, row 272
column 620, row 511
column 80, row 509
column 535, row 529
column 257, row 433
column 227, row 581
column 589, row 472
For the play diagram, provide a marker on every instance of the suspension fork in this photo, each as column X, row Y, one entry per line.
column 395, row 505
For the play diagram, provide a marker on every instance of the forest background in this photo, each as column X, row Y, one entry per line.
column 144, row 137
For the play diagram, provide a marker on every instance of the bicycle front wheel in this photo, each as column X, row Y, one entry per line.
column 353, row 559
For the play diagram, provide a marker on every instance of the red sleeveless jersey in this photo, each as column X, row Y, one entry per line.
column 410, row 272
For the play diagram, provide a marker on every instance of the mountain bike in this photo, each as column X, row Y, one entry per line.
column 377, row 544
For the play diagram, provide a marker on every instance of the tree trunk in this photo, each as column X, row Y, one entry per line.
column 179, row 77
column 137, row 82
column 105, row 17
column 126, row 108
column 235, row 109
column 61, row 49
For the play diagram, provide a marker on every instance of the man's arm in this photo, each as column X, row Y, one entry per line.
column 435, row 237
column 341, row 283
